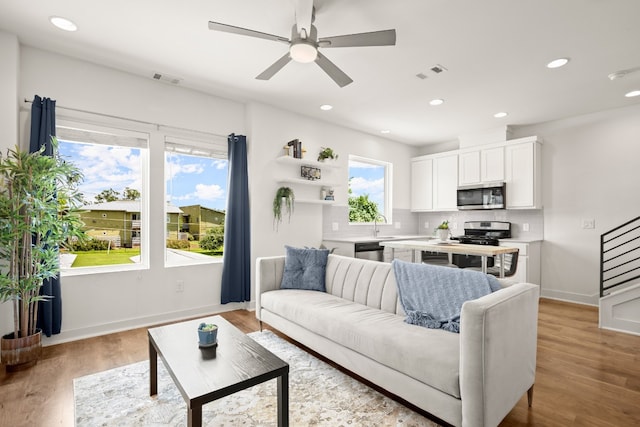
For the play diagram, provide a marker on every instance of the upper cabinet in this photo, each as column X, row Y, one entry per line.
column 434, row 180
column 422, row 185
column 523, row 175
column 445, row 183
column 481, row 165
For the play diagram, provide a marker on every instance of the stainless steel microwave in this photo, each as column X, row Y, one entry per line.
column 485, row 196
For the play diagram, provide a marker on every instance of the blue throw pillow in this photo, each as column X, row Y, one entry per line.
column 304, row 269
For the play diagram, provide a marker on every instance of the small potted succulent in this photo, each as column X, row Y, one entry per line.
column 207, row 334
column 326, row 153
column 442, row 232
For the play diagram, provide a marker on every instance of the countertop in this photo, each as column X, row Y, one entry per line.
column 384, row 238
column 381, row 238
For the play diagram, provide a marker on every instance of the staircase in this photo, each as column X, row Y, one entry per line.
column 620, row 278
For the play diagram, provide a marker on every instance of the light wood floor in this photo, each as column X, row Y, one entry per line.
column 585, row 376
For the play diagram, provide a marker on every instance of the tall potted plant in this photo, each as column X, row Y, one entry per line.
column 39, row 197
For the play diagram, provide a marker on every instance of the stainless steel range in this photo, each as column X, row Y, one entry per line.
column 485, row 233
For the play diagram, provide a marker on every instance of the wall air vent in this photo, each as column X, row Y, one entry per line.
column 166, row 78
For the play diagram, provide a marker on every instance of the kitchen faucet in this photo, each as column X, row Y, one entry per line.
column 375, row 224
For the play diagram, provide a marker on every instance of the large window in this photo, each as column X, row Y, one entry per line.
column 196, row 195
column 113, row 162
column 369, row 190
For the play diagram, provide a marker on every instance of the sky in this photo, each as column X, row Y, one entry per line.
column 190, row 180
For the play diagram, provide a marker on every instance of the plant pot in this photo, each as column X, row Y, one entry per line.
column 442, row 234
column 21, row 353
column 207, row 338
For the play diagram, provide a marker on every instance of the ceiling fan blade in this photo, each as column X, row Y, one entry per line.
column 304, row 14
column 274, row 68
column 375, row 38
column 333, row 71
column 216, row 26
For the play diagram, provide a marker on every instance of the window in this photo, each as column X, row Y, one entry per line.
column 113, row 162
column 196, row 197
column 369, row 190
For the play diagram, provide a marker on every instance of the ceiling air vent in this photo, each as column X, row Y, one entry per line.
column 166, row 78
column 421, row 76
column 438, row 69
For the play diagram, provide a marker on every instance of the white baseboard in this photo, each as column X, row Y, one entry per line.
column 139, row 322
column 570, row 297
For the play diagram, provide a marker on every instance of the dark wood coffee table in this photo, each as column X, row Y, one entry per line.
column 204, row 375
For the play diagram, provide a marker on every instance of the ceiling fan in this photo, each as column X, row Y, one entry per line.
column 304, row 43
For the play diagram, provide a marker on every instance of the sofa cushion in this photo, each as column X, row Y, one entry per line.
column 304, row 269
column 431, row 356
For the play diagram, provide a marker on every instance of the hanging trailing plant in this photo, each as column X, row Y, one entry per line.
column 284, row 199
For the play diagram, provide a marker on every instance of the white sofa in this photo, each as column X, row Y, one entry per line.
column 469, row 379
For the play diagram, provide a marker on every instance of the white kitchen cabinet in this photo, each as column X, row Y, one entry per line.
column 492, row 164
column 481, row 166
column 422, row 185
column 528, row 269
column 434, row 182
column 445, row 183
column 523, row 175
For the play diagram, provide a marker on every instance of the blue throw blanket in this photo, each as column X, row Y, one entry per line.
column 432, row 296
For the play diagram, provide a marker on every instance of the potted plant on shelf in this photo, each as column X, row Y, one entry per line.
column 326, row 153
column 442, row 232
column 284, row 199
column 38, row 199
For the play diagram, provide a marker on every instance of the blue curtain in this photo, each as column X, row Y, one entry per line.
column 236, row 269
column 43, row 127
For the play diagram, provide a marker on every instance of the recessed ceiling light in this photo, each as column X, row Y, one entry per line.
column 500, row 115
column 326, row 107
column 63, row 23
column 632, row 93
column 557, row 63
column 435, row 102
column 385, row 131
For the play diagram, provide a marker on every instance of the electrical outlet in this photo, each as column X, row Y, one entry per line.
column 525, row 226
column 454, row 225
column 335, row 226
column 180, row 286
column 398, row 225
column 589, row 223
column 426, row 224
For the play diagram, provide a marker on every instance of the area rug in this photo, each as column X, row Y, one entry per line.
column 319, row 395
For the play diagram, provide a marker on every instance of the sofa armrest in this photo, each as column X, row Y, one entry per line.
column 498, row 341
column 268, row 277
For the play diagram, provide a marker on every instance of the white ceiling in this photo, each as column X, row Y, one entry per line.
column 495, row 51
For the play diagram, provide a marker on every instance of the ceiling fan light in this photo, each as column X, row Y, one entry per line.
column 303, row 52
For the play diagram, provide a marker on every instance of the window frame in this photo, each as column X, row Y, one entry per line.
column 197, row 144
column 125, row 129
column 388, row 185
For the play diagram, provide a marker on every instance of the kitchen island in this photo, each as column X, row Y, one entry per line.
column 451, row 247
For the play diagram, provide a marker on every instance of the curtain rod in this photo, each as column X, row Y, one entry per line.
column 132, row 120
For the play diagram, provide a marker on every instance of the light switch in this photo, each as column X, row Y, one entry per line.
column 525, row 226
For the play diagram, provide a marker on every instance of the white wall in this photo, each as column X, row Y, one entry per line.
column 590, row 171
column 9, row 72
column 98, row 303
column 269, row 130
